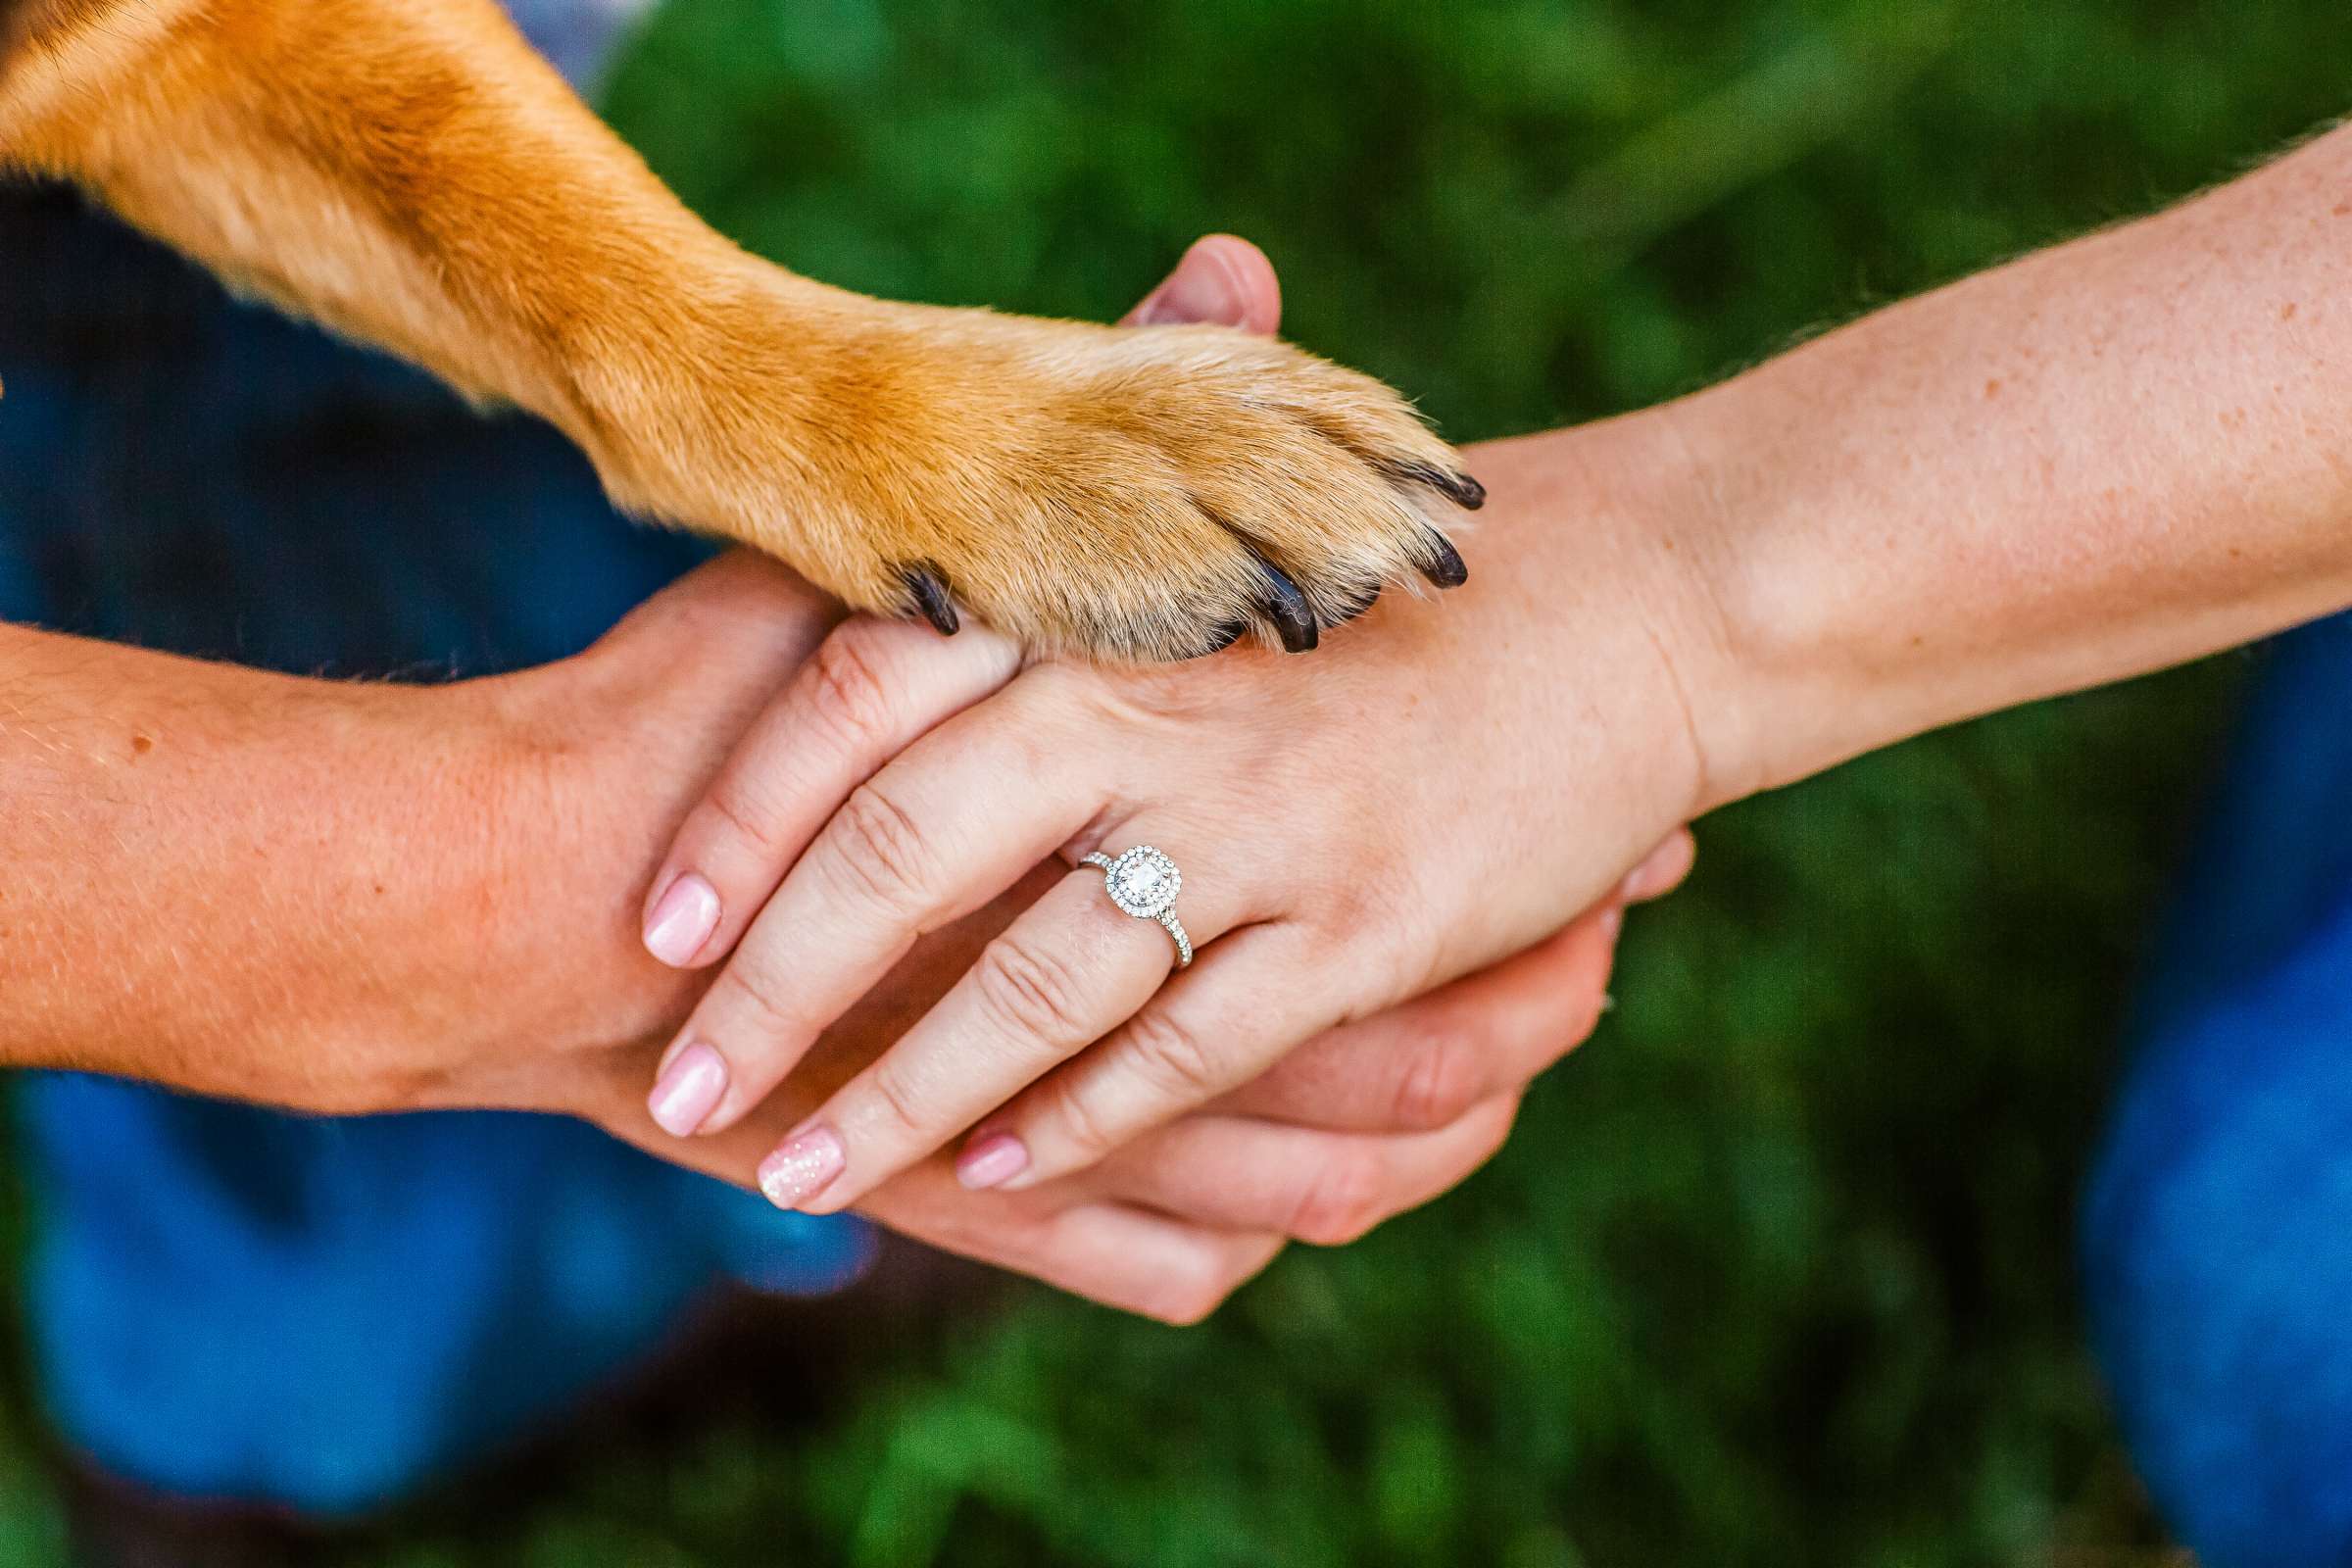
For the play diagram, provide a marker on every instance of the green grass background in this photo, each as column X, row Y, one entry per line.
column 1777, row 1269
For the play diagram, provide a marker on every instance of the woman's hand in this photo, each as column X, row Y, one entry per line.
column 1446, row 785
column 1359, row 1124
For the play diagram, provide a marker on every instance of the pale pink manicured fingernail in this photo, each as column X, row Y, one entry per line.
column 682, row 920
column 992, row 1162
column 802, row 1167
column 1611, row 918
column 689, row 1090
column 1202, row 288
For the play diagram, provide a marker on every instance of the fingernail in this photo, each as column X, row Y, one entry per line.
column 1608, row 1002
column 1202, row 288
column 1611, row 918
column 992, row 1162
column 802, row 1167
column 682, row 920
column 688, row 1090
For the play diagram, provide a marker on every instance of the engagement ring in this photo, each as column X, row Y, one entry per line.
column 1143, row 882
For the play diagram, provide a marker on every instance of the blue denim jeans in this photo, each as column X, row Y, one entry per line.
column 2217, row 1236
column 223, row 1301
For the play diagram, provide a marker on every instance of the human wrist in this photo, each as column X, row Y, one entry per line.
column 2096, row 462
column 454, row 893
column 600, row 757
column 1822, row 594
column 578, row 802
column 1618, row 565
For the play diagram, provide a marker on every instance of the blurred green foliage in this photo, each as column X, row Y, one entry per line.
column 1777, row 1270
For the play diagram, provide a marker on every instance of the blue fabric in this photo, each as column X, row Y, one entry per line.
column 2218, row 1228
column 225, row 1301
column 578, row 36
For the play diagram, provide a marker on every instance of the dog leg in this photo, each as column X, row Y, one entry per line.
column 411, row 172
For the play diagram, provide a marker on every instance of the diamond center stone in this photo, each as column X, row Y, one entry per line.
column 1144, row 882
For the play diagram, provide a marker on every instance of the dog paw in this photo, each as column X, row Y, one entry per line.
column 1146, row 493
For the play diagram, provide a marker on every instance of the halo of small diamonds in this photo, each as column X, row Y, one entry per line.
column 1143, row 882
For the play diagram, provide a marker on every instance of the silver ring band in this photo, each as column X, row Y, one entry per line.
column 1144, row 883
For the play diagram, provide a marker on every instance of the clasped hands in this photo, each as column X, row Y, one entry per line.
column 923, row 1007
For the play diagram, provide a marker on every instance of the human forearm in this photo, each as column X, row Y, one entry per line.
column 2104, row 459
column 239, row 882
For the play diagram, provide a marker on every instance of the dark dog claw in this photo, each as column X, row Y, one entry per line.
column 930, row 592
column 1459, row 488
column 1444, row 567
column 1467, row 493
column 1293, row 622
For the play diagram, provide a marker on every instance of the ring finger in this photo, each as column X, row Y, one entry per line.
column 1069, row 971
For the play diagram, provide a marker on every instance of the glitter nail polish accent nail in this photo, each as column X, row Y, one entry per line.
column 801, row 1167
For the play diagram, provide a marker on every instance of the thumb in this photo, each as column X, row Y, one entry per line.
column 1223, row 280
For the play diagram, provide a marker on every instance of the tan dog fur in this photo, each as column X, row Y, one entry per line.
column 411, row 172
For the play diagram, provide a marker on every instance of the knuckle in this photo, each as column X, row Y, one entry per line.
column 1170, row 1054
column 743, row 803
column 1363, row 890
column 1398, row 933
column 848, row 695
column 1340, row 1204
column 1443, row 1079
column 1129, row 699
column 1084, row 1132
column 881, row 849
column 1032, row 993
column 755, row 996
column 898, row 1098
